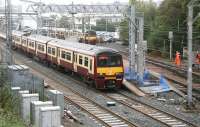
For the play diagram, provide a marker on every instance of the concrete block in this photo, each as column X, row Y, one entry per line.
column 50, row 116
column 26, row 100
column 35, row 106
column 14, row 91
column 58, row 99
column 15, row 97
column 20, row 96
column 22, row 92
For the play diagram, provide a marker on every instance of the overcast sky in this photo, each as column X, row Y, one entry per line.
column 17, row 2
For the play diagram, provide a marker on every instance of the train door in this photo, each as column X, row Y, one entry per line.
column 91, row 66
column 75, row 62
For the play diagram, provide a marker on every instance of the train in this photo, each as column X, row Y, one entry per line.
column 89, row 37
column 100, row 66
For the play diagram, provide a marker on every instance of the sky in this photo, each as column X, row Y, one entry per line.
column 17, row 2
column 66, row 2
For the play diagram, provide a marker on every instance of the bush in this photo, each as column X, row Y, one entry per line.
column 8, row 105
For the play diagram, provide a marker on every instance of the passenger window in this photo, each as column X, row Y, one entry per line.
column 33, row 44
column 63, row 54
column 42, row 47
column 29, row 43
column 49, row 50
column 86, row 62
column 68, row 56
column 80, row 60
column 53, row 51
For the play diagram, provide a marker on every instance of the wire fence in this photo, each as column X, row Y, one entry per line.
column 18, row 76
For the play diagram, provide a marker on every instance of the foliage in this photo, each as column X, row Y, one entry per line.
column 149, row 9
column 101, row 26
column 8, row 106
column 64, row 22
column 8, row 119
column 170, row 15
column 124, row 30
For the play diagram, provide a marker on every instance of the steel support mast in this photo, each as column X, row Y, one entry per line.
column 189, row 78
column 132, row 38
column 8, row 51
column 140, row 48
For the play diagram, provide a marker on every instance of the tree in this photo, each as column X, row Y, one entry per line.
column 101, row 26
column 171, row 16
column 149, row 9
column 123, row 30
column 64, row 22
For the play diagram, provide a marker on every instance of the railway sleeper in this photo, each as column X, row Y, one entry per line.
column 111, row 118
column 175, row 123
column 160, row 116
column 118, row 123
column 183, row 125
column 99, row 115
column 125, row 125
column 111, row 121
column 107, row 117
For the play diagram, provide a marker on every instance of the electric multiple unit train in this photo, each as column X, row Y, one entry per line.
column 100, row 66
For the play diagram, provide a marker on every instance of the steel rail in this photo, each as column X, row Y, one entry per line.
column 164, row 117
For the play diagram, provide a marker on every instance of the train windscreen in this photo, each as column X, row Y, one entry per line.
column 109, row 60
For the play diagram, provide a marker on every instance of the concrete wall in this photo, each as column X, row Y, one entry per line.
column 35, row 106
column 49, row 117
column 26, row 100
column 15, row 97
column 58, row 99
column 15, row 91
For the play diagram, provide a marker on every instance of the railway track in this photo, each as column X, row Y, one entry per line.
column 161, row 116
column 181, row 71
column 107, row 117
column 181, row 85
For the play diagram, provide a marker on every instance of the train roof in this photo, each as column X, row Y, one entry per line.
column 40, row 38
column 80, row 47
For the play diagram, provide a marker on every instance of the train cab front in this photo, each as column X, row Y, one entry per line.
column 109, row 73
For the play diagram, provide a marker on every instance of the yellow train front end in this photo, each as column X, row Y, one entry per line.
column 91, row 40
column 89, row 37
column 109, row 71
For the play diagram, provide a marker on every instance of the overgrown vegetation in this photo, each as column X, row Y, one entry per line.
column 8, row 106
column 170, row 15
